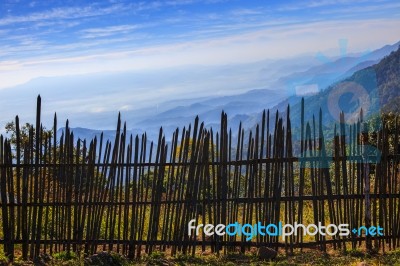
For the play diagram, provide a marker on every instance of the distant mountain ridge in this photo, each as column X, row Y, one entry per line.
column 249, row 104
column 380, row 81
column 246, row 107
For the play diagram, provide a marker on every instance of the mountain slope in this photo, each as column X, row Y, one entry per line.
column 250, row 103
column 375, row 89
column 388, row 77
column 246, row 107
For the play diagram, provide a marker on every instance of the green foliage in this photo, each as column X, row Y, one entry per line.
column 119, row 258
column 25, row 132
column 156, row 255
column 156, row 258
column 3, row 258
column 351, row 257
column 392, row 258
column 184, row 259
column 106, row 259
column 65, row 255
column 388, row 76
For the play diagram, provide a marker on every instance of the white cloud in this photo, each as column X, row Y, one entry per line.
column 361, row 9
column 322, row 3
column 62, row 13
column 281, row 41
column 248, row 11
column 107, row 31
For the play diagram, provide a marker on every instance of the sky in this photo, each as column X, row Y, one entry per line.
column 58, row 38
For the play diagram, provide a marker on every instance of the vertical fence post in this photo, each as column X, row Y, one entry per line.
column 366, row 178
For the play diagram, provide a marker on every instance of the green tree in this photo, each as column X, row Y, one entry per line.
column 26, row 132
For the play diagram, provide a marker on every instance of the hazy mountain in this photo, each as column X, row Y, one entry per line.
column 243, row 107
column 93, row 100
column 286, row 90
column 324, row 75
column 375, row 88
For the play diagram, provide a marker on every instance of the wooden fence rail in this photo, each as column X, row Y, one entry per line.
column 59, row 193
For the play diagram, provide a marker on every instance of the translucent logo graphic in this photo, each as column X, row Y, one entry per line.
column 358, row 98
column 342, row 94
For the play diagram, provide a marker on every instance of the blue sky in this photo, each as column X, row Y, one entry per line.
column 55, row 38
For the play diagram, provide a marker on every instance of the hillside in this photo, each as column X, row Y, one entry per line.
column 246, row 107
column 388, row 77
column 375, row 88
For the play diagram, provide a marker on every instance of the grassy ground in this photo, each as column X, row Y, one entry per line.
column 309, row 257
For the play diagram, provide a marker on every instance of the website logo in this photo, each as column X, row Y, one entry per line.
column 280, row 229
